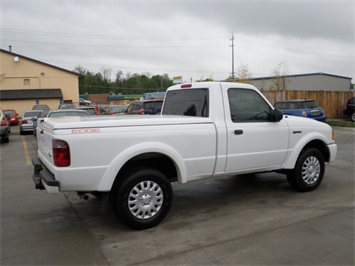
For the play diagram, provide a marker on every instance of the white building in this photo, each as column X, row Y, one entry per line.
column 305, row 82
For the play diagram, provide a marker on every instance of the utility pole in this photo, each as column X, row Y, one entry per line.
column 232, row 39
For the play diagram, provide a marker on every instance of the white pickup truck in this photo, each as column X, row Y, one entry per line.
column 205, row 130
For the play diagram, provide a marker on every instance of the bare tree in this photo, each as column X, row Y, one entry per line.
column 280, row 73
column 119, row 76
column 244, row 74
column 106, row 73
column 80, row 70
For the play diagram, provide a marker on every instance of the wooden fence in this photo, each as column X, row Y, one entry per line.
column 332, row 102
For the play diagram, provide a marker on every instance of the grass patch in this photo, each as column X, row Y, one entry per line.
column 340, row 123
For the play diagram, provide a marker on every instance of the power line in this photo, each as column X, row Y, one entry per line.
column 118, row 46
column 111, row 36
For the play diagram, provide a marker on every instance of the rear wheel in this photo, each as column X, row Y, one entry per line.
column 143, row 198
column 308, row 172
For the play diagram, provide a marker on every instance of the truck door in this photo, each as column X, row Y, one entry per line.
column 254, row 141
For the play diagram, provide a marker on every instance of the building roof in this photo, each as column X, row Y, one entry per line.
column 151, row 95
column 304, row 75
column 37, row 61
column 31, row 94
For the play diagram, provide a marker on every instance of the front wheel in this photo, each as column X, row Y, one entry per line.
column 308, row 172
column 143, row 198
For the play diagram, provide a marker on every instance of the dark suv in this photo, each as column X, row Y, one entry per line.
column 147, row 107
column 350, row 109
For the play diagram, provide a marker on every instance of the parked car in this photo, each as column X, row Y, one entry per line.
column 58, row 113
column 84, row 102
column 89, row 109
column 67, row 106
column 114, row 110
column 5, row 127
column 67, row 112
column 26, row 125
column 99, row 107
column 350, row 109
column 41, row 107
column 304, row 108
column 14, row 116
column 147, row 107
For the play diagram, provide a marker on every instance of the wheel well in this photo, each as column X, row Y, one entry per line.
column 154, row 160
column 321, row 146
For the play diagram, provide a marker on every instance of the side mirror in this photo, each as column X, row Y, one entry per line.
column 276, row 115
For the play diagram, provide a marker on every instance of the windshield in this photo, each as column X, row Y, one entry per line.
column 310, row 104
column 91, row 111
column 118, row 109
column 69, row 113
column 31, row 114
column 9, row 113
column 41, row 107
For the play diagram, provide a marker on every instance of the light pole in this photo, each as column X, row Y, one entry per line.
column 232, row 39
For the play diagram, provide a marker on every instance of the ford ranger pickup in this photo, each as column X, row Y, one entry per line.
column 205, row 130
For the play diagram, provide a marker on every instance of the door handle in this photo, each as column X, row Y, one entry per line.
column 238, row 132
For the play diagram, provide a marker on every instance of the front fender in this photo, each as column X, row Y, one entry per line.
column 148, row 147
column 294, row 153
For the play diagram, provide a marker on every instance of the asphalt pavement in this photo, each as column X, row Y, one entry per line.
column 241, row 220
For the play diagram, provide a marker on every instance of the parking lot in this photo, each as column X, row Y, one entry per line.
column 241, row 220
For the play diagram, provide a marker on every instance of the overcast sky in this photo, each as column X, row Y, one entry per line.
column 184, row 38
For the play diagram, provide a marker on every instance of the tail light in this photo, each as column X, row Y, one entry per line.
column 24, row 122
column 184, row 86
column 304, row 113
column 3, row 121
column 61, row 153
column 142, row 111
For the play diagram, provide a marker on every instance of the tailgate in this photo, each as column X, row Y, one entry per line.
column 44, row 141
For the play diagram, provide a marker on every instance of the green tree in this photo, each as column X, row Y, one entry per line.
column 90, row 82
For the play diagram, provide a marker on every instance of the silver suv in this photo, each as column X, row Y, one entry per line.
column 5, row 127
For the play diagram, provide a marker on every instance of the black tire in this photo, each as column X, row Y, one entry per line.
column 5, row 140
column 352, row 116
column 308, row 172
column 142, row 199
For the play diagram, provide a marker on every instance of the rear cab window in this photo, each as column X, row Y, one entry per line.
column 189, row 102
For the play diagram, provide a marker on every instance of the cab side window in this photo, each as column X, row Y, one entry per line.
column 248, row 106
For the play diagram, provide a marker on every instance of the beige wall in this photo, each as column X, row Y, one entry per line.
column 31, row 74
column 25, row 105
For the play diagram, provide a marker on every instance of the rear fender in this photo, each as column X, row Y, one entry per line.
column 149, row 147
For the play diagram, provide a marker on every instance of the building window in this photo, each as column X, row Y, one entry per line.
column 26, row 82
